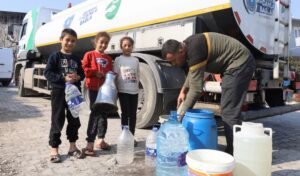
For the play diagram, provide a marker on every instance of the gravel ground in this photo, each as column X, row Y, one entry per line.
column 24, row 130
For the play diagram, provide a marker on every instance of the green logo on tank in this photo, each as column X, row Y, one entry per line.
column 112, row 9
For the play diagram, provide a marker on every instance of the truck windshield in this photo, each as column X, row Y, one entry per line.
column 23, row 30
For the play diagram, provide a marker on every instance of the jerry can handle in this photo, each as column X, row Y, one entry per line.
column 269, row 130
column 235, row 127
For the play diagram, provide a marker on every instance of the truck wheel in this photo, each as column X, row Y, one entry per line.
column 149, row 101
column 21, row 89
column 5, row 83
column 274, row 97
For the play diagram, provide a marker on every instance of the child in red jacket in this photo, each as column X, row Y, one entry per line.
column 95, row 65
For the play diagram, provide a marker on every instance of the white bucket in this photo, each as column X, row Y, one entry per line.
column 206, row 162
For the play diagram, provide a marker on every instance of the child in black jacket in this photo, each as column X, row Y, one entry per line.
column 63, row 67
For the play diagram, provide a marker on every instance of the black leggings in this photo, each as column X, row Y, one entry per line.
column 97, row 125
column 128, row 107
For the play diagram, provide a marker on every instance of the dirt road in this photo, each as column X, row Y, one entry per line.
column 24, row 150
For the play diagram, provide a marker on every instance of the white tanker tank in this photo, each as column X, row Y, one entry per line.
column 255, row 22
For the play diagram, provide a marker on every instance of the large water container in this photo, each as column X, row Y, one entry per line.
column 172, row 146
column 125, row 147
column 74, row 99
column 252, row 149
column 151, row 149
column 202, row 128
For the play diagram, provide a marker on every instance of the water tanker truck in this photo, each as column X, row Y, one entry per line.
column 261, row 25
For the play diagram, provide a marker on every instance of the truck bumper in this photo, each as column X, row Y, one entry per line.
column 252, row 114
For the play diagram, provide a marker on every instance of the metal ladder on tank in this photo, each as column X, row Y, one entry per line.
column 282, row 36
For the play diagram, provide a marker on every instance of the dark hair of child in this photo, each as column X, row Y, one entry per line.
column 68, row 31
column 102, row 34
column 126, row 38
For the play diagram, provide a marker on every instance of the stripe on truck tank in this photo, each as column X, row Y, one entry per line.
column 237, row 16
column 263, row 49
column 30, row 42
column 250, row 39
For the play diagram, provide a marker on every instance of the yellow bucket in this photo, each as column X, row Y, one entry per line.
column 206, row 162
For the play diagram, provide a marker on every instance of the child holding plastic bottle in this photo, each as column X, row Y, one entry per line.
column 63, row 67
column 127, row 69
column 96, row 64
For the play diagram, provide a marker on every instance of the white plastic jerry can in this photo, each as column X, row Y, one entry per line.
column 252, row 149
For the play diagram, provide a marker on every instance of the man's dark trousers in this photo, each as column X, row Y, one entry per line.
column 234, row 85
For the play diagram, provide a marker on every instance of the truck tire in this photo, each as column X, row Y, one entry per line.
column 21, row 89
column 149, row 102
column 274, row 97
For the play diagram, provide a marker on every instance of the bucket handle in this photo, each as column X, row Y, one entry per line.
column 269, row 130
column 235, row 127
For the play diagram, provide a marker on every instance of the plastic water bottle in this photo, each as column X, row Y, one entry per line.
column 125, row 147
column 74, row 99
column 150, row 154
column 172, row 146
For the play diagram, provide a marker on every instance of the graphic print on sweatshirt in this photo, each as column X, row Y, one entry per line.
column 129, row 75
column 68, row 66
column 102, row 61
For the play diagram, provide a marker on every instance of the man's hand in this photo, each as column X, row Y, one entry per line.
column 181, row 98
column 180, row 116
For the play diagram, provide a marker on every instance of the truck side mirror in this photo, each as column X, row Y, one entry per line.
column 10, row 30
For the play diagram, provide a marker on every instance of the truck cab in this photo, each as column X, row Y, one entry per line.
column 27, row 53
column 31, row 22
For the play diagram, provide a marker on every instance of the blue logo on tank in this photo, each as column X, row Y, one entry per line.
column 250, row 6
column 68, row 21
column 265, row 7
